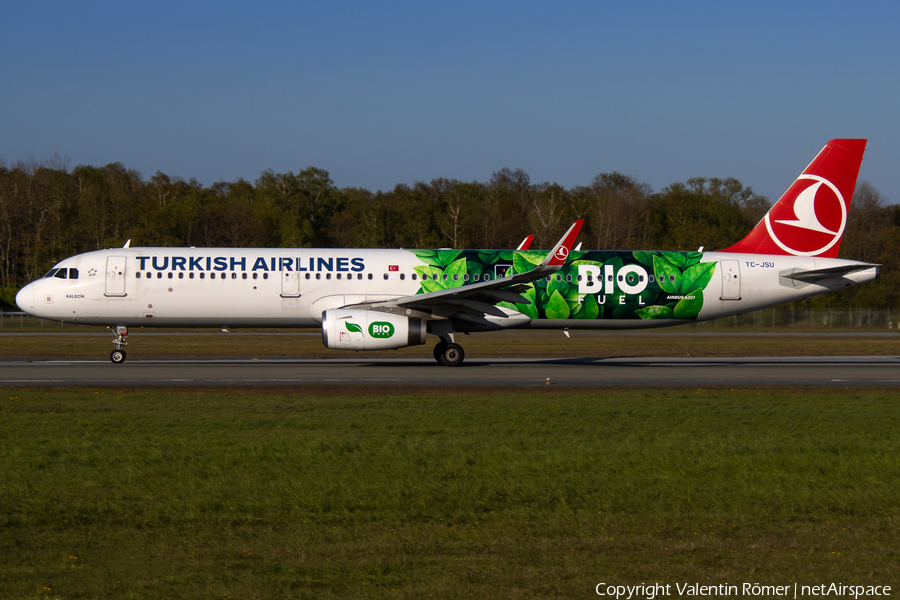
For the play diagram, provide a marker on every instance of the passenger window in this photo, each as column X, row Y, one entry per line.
column 359, row 275
column 413, row 276
column 402, row 276
column 455, row 277
column 318, row 276
column 138, row 274
column 212, row 275
column 370, row 277
column 191, row 275
column 159, row 275
column 243, row 276
column 475, row 277
column 338, row 275
column 327, row 275
column 202, row 275
column 61, row 273
column 234, row 275
column 180, row 275
column 385, row 276
column 171, row 275
column 466, row 276
column 265, row 275
column 487, row 277
column 568, row 278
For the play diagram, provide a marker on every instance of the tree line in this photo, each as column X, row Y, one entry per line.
column 49, row 212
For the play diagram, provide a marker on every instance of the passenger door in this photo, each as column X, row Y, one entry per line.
column 731, row 279
column 115, row 276
column 290, row 284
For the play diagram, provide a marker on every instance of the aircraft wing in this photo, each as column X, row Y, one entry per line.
column 475, row 300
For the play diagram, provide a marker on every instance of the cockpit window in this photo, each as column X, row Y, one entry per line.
column 73, row 273
column 61, row 273
column 51, row 272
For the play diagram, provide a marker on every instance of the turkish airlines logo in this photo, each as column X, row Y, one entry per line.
column 811, row 220
column 562, row 253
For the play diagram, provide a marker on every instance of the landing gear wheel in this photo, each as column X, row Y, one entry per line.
column 453, row 356
column 439, row 350
column 117, row 356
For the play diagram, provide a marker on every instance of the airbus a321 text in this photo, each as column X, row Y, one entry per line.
column 368, row 299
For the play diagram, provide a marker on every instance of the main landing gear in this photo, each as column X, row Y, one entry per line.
column 449, row 354
column 117, row 356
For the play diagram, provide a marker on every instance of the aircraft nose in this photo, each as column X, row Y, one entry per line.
column 25, row 298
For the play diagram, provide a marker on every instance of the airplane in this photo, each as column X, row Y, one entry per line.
column 375, row 299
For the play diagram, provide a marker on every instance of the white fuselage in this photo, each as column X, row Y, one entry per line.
column 229, row 287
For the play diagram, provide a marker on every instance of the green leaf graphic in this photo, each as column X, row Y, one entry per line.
column 445, row 257
column 676, row 258
column 589, row 308
column 525, row 261
column 692, row 258
column 667, row 275
column 623, row 311
column 427, row 274
column 689, row 306
column 429, row 257
column 654, row 312
column 645, row 258
column 473, row 267
column 696, row 277
column 488, row 257
column 530, row 310
column 561, row 286
column 457, row 268
column 353, row 327
column 557, row 308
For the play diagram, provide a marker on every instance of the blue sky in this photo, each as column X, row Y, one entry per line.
column 387, row 93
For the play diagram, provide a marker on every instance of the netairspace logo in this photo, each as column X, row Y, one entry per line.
column 793, row 590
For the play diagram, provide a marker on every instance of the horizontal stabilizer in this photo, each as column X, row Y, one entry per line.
column 814, row 275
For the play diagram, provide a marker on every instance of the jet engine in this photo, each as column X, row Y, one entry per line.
column 344, row 329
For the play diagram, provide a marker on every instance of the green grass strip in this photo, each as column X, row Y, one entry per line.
column 321, row 492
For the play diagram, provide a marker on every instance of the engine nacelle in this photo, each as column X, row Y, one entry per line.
column 344, row 329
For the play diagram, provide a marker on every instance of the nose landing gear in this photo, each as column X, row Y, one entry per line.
column 117, row 356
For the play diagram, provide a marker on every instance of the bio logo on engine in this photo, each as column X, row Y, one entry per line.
column 380, row 329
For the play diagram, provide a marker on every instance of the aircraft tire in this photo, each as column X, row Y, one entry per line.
column 117, row 357
column 439, row 349
column 453, row 356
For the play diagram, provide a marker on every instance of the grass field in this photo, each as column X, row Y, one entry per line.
column 315, row 492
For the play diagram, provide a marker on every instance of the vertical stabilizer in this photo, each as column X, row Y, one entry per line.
column 810, row 218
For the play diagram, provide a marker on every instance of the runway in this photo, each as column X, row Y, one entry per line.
column 586, row 372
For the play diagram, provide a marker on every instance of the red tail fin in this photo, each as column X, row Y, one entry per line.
column 810, row 217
